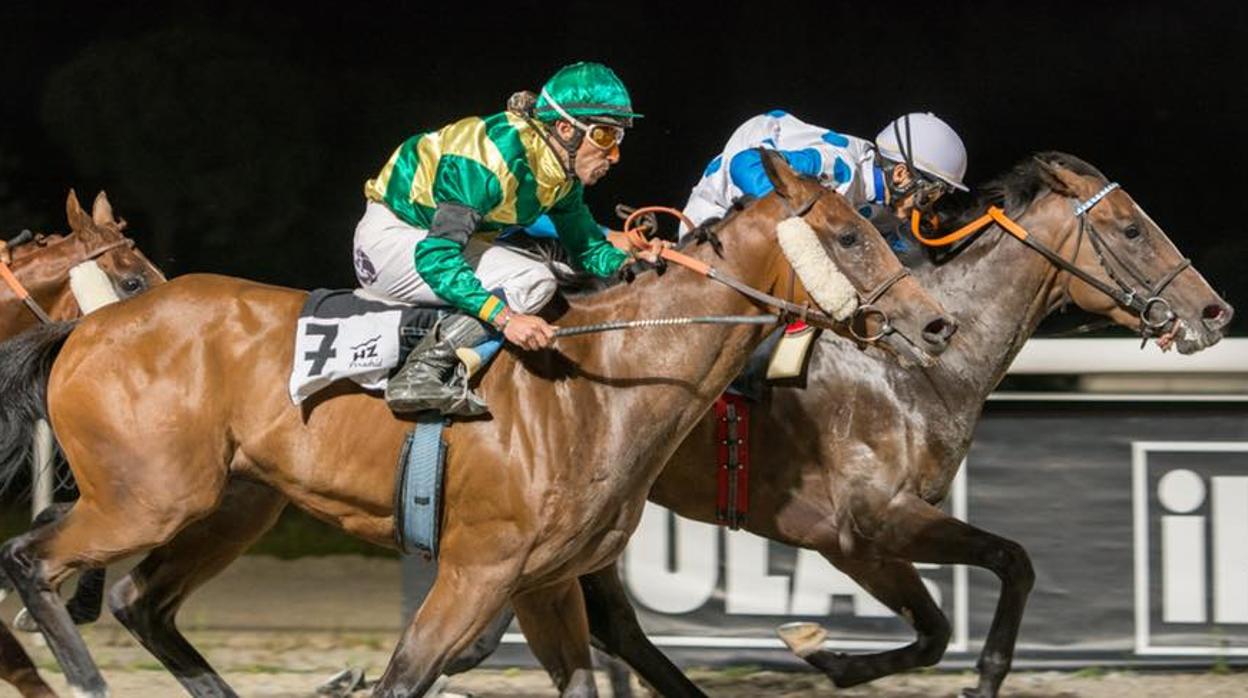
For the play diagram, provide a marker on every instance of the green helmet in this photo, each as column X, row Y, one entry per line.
column 590, row 90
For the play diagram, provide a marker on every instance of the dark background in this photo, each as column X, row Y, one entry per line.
column 236, row 136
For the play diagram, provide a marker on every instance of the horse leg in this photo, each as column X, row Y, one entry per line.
column 897, row 584
column 483, row 646
column 37, row 571
column 147, row 600
column 920, row 532
column 17, row 668
column 614, row 625
column 459, row 607
column 92, row 534
column 554, row 623
column 88, row 599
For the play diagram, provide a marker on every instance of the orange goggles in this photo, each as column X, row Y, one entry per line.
column 604, row 136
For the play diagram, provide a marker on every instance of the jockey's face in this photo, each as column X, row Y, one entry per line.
column 902, row 207
column 592, row 162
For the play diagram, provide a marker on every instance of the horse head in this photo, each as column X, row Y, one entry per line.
column 835, row 258
column 1139, row 279
column 100, row 240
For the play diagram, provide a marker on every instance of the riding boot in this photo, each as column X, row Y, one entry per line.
column 437, row 372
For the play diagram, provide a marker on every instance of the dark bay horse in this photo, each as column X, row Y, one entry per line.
column 864, row 493
column 42, row 266
column 163, row 402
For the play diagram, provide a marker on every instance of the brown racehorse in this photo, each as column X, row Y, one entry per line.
column 160, row 401
column 42, row 267
column 865, row 494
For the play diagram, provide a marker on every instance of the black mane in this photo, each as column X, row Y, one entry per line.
column 1015, row 190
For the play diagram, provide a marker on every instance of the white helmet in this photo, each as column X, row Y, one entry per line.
column 927, row 143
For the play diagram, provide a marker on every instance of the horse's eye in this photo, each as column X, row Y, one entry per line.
column 132, row 285
column 1132, row 232
column 848, row 239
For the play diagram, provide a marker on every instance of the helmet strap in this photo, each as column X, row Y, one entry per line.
column 570, row 145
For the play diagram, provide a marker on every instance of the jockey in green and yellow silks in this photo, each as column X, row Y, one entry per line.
column 441, row 198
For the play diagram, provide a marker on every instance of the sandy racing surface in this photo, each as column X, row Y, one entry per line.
column 280, row 628
column 289, row 665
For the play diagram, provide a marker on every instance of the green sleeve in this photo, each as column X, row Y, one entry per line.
column 582, row 237
column 440, row 262
column 465, row 184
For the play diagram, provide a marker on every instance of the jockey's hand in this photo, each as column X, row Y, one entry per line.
column 529, row 331
column 651, row 253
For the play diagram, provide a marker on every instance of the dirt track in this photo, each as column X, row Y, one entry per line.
column 278, row 628
column 274, row 664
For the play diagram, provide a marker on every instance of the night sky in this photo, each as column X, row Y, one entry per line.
column 236, row 136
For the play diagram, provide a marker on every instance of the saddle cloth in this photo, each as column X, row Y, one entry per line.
column 354, row 335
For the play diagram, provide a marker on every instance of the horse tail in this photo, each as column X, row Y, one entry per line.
column 25, row 363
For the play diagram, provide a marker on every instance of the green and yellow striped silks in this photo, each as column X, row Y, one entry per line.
column 502, row 167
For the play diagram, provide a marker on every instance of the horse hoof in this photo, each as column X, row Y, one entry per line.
column 976, row 693
column 25, row 622
column 342, row 684
column 803, row 639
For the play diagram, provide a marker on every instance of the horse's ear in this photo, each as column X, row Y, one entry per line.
column 78, row 218
column 781, row 176
column 102, row 211
column 1059, row 179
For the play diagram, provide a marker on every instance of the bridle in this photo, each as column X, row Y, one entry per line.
column 789, row 311
column 1134, row 293
column 10, row 279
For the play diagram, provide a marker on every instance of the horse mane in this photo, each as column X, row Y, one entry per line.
column 1022, row 184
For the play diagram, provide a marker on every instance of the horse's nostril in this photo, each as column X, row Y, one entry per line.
column 938, row 331
column 1215, row 316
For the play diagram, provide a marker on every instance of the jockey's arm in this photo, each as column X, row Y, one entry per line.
column 441, row 264
column 583, row 237
column 746, row 168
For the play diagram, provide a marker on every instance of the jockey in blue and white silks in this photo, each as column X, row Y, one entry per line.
column 910, row 164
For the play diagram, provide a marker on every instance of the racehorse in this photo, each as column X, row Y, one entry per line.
column 41, row 265
column 163, row 402
column 865, row 494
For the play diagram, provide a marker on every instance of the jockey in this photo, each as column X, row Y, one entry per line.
column 912, row 162
column 434, row 210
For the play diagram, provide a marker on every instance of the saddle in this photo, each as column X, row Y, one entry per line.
column 355, row 335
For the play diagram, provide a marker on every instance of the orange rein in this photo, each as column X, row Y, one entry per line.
column 22, row 294
column 11, row 281
column 640, row 242
column 993, row 215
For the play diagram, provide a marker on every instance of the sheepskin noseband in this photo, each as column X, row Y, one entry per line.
column 819, row 274
column 91, row 287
